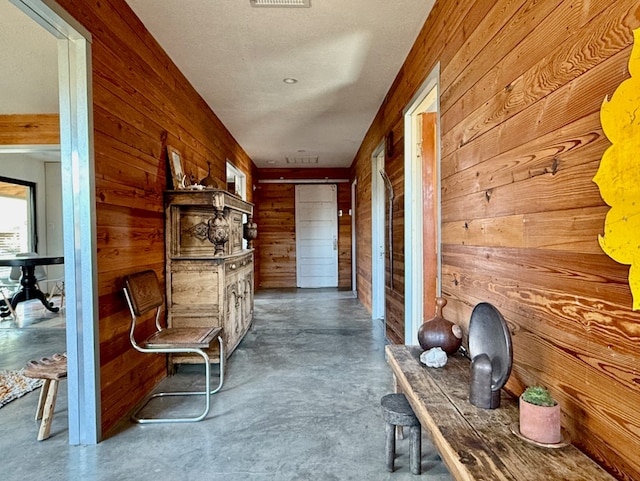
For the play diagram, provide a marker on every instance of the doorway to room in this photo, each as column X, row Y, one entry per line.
column 377, row 234
column 78, row 205
column 421, row 179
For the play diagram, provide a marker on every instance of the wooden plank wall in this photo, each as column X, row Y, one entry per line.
column 30, row 129
column 344, row 236
column 276, row 252
column 521, row 85
column 141, row 103
column 361, row 171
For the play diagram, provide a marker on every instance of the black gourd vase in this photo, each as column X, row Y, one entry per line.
column 439, row 332
column 210, row 181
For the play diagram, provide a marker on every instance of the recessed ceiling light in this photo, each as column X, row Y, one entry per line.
column 271, row 161
column 290, row 80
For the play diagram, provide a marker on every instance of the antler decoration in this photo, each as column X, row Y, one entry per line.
column 389, row 186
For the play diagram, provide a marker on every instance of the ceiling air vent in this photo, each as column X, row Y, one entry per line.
column 302, row 160
column 281, row 3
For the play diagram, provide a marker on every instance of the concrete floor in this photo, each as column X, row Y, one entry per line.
column 301, row 402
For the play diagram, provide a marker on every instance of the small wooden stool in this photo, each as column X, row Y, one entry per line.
column 397, row 411
column 50, row 370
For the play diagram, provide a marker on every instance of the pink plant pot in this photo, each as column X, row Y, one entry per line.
column 540, row 423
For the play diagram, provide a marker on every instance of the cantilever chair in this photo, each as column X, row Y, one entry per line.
column 143, row 296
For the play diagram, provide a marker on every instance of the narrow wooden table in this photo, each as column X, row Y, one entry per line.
column 476, row 443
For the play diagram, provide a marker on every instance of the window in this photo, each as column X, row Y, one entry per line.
column 236, row 181
column 237, row 185
column 18, row 219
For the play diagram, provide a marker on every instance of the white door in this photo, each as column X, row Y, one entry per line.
column 317, row 235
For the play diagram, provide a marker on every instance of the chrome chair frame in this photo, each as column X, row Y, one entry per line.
column 170, row 341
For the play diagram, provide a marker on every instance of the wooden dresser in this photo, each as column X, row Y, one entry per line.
column 209, row 275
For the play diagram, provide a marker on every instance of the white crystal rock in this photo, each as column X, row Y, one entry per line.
column 434, row 357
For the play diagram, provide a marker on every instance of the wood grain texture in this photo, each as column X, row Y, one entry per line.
column 476, row 443
column 430, row 202
column 573, row 145
column 30, row 129
column 573, row 230
column 206, row 285
column 363, row 233
column 275, row 200
column 344, row 235
column 141, row 103
column 521, row 87
column 277, row 235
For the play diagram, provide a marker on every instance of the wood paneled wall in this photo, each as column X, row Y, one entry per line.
column 141, row 104
column 521, row 84
column 30, row 129
column 361, row 171
column 276, row 252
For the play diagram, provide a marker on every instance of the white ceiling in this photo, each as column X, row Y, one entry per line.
column 344, row 53
column 29, row 59
column 28, row 78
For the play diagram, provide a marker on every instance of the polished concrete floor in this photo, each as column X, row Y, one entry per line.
column 301, row 402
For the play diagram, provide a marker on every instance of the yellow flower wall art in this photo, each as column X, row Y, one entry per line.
column 618, row 176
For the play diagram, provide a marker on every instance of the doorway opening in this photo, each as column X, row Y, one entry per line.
column 354, row 252
column 426, row 100
column 377, row 234
column 79, row 219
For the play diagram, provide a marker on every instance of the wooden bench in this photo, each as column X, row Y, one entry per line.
column 50, row 370
column 475, row 443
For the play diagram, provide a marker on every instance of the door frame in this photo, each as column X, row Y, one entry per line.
column 354, row 252
column 378, row 259
column 335, row 232
column 79, row 216
column 413, row 228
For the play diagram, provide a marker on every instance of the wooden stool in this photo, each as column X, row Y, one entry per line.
column 397, row 411
column 50, row 370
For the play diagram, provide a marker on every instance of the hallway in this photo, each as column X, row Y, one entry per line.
column 301, row 401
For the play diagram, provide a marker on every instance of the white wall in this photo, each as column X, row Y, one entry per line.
column 46, row 176
column 53, row 216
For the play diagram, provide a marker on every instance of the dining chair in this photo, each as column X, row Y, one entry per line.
column 143, row 294
column 8, row 287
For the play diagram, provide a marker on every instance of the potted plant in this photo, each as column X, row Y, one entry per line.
column 540, row 416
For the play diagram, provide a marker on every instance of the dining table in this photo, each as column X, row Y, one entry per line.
column 29, row 283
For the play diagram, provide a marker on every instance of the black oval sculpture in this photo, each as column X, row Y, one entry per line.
column 489, row 341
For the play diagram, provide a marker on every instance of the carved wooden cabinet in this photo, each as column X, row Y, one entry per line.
column 209, row 276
